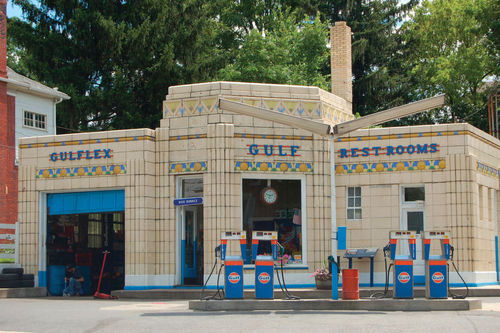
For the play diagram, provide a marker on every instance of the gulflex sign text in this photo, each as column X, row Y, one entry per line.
column 81, row 155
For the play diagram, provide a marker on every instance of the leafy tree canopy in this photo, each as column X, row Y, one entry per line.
column 116, row 59
column 292, row 51
column 452, row 48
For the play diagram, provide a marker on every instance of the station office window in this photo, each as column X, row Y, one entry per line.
column 354, row 203
column 36, row 120
column 412, row 194
column 264, row 211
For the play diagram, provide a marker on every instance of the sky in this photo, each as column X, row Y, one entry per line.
column 13, row 10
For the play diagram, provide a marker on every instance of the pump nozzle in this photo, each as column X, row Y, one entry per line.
column 387, row 250
column 217, row 251
column 281, row 249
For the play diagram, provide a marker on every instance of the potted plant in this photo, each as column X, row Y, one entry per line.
column 323, row 278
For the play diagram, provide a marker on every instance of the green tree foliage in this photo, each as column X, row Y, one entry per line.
column 452, row 47
column 292, row 51
column 378, row 82
column 116, row 59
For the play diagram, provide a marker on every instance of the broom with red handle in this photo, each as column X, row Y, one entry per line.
column 98, row 294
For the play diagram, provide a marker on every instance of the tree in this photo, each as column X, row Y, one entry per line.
column 116, row 59
column 291, row 51
column 452, row 47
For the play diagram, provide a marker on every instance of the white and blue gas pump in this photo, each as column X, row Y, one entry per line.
column 264, row 263
column 436, row 266
column 403, row 263
column 233, row 265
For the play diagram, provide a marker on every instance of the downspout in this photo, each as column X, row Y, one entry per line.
column 57, row 101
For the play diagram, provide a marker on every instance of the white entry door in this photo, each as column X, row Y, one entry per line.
column 413, row 219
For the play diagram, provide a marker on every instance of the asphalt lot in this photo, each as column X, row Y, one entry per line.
column 56, row 314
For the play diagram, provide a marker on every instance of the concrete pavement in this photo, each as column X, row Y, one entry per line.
column 83, row 314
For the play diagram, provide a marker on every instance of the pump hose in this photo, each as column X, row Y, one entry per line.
column 456, row 296
column 387, row 274
column 283, row 287
column 217, row 294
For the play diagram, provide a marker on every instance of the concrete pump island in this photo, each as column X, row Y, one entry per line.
column 222, row 201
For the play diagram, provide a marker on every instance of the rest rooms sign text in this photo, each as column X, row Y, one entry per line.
column 389, row 150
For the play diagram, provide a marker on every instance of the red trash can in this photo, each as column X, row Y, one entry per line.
column 350, row 284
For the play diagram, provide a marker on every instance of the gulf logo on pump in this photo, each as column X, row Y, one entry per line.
column 234, row 277
column 404, row 277
column 437, row 277
column 264, row 278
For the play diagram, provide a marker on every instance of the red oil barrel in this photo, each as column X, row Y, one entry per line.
column 350, row 284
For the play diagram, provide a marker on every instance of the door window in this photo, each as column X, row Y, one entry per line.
column 416, row 221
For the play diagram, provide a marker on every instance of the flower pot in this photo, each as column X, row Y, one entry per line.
column 324, row 284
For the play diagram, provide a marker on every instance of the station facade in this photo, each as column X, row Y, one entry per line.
column 159, row 199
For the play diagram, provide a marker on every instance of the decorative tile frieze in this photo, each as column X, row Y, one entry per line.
column 415, row 135
column 390, row 166
column 487, row 170
column 273, row 166
column 188, row 167
column 87, row 142
column 272, row 136
column 102, row 170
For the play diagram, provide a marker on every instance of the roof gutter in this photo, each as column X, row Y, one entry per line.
column 28, row 87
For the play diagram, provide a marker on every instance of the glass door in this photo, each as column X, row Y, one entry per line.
column 189, row 245
column 414, row 220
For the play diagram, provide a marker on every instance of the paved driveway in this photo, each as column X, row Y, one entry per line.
column 87, row 315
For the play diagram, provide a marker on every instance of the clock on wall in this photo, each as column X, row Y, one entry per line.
column 269, row 195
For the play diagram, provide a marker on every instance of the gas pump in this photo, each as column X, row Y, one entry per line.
column 436, row 266
column 233, row 265
column 264, row 263
column 403, row 263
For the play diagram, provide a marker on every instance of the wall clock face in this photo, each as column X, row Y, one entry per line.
column 269, row 195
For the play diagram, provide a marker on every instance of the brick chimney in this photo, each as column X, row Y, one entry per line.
column 3, row 38
column 8, row 171
column 340, row 37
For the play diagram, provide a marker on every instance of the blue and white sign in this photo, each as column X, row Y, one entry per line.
column 188, row 201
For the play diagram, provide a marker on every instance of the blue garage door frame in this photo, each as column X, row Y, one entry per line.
column 85, row 202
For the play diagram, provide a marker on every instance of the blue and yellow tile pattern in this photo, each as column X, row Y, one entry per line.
column 187, row 137
column 487, row 170
column 188, row 167
column 102, row 170
column 87, row 142
column 416, row 135
column 273, row 166
column 272, row 136
column 390, row 166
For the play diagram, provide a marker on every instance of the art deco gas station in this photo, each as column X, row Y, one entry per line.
column 256, row 186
